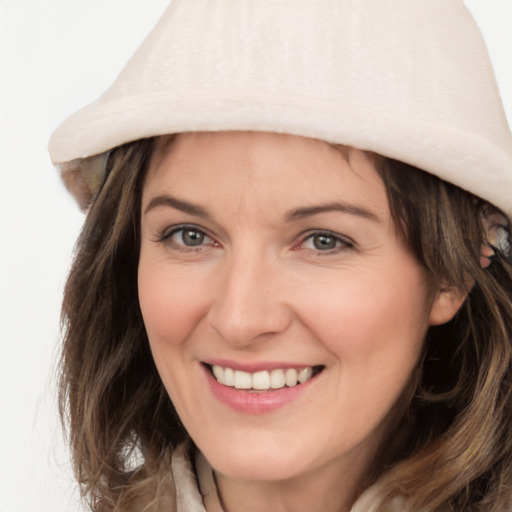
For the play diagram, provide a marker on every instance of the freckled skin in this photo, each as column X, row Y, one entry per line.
column 259, row 287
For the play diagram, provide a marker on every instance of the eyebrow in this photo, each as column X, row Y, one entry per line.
column 291, row 216
column 178, row 204
column 308, row 211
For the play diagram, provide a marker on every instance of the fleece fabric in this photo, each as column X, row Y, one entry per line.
column 186, row 489
column 409, row 79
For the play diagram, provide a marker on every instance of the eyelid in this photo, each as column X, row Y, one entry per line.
column 344, row 241
column 166, row 234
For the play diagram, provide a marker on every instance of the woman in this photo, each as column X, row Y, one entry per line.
column 272, row 307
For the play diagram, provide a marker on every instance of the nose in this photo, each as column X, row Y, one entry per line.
column 249, row 303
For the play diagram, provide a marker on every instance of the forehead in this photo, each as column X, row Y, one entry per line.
column 269, row 169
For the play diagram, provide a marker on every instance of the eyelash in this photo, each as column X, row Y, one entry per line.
column 341, row 243
column 166, row 238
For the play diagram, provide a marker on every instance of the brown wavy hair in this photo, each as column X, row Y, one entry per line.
column 451, row 445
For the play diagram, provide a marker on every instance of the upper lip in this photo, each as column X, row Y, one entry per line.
column 253, row 367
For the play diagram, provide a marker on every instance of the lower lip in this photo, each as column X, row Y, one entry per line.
column 255, row 402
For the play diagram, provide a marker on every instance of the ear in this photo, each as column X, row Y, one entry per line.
column 445, row 305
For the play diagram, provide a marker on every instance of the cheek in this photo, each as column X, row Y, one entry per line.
column 374, row 327
column 170, row 302
column 354, row 313
column 170, row 309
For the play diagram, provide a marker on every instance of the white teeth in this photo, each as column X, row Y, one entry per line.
column 261, row 380
column 277, row 380
column 243, row 380
column 229, row 377
column 218, row 371
column 264, row 380
column 290, row 377
column 305, row 374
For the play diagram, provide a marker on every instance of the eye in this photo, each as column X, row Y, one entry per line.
column 187, row 237
column 326, row 242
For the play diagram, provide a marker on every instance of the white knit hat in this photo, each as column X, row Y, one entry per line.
column 409, row 79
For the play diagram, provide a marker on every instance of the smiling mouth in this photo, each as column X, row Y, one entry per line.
column 271, row 380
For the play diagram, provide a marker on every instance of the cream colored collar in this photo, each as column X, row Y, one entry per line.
column 368, row 502
column 207, row 486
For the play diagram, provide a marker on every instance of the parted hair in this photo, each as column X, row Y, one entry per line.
column 450, row 445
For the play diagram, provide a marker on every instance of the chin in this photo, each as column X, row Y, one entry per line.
column 258, row 461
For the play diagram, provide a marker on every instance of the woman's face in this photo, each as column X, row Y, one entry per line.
column 271, row 259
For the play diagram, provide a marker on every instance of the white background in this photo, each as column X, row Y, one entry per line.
column 58, row 55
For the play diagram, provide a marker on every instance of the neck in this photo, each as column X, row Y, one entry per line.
column 333, row 488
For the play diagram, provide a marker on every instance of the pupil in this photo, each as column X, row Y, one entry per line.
column 324, row 242
column 192, row 237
